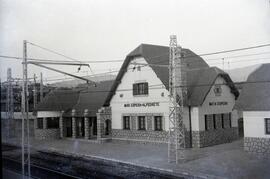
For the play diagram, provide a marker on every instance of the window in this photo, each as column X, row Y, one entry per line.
column 40, row 123
column 217, row 90
column 227, row 121
column 140, row 89
column 158, row 123
column 267, row 125
column 218, row 121
column 209, row 124
column 141, row 122
column 222, row 121
column 214, row 121
column 126, row 122
column 53, row 123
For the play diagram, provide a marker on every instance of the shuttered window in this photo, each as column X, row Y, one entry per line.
column 140, row 88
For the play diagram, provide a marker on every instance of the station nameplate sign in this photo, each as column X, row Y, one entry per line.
column 218, row 103
column 151, row 104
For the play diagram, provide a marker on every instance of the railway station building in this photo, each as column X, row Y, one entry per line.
column 135, row 106
column 72, row 113
column 254, row 102
column 139, row 100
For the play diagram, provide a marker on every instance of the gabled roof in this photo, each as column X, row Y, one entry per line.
column 199, row 74
column 58, row 100
column 255, row 95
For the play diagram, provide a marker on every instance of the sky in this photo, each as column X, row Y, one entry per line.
column 101, row 30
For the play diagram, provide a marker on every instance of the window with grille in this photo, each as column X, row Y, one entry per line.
column 52, row 122
column 158, row 123
column 126, row 122
column 140, row 88
column 267, row 125
column 141, row 123
column 40, row 123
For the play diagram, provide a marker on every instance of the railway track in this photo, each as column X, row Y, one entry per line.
column 36, row 171
column 54, row 165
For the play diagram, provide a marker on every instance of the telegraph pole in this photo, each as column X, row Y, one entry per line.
column 25, row 110
column 177, row 91
column 35, row 92
column 41, row 87
column 9, row 101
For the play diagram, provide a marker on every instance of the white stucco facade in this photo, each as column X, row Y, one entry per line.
column 225, row 96
column 42, row 114
column 254, row 123
column 158, row 93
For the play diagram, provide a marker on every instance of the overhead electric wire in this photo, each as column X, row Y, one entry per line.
column 238, row 56
column 206, row 54
column 144, row 65
column 186, row 86
column 52, row 51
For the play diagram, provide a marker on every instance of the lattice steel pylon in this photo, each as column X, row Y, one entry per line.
column 9, row 101
column 177, row 92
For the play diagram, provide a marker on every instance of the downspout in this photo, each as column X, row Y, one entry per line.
column 190, row 126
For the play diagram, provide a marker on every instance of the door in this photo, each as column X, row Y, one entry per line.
column 107, row 129
column 241, row 127
column 80, row 127
column 94, row 126
column 68, row 127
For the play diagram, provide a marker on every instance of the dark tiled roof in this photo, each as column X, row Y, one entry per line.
column 58, row 100
column 92, row 98
column 199, row 74
column 255, row 95
column 81, row 98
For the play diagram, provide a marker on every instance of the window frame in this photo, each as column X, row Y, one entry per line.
column 156, row 127
column 125, row 119
column 217, row 90
column 140, row 123
column 222, row 121
column 141, row 88
column 206, row 124
column 266, row 126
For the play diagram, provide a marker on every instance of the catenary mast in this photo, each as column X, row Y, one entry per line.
column 177, row 91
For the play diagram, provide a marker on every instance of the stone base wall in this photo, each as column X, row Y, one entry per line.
column 145, row 136
column 257, row 145
column 47, row 133
column 213, row 137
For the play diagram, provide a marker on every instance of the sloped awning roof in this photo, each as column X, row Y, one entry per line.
column 58, row 100
column 255, row 95
column 200, row 76
column 91, row 98
column 84, row 97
